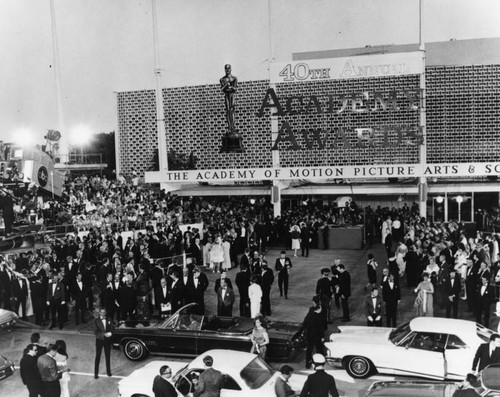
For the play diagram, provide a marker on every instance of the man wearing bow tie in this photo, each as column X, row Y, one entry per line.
column 79, row 293
column 282, row 266
column 56, row 301
column 200, row 282
column 104, row 329
column 484, row 298
column 225, row 299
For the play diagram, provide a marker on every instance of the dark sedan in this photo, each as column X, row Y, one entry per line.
column 6, row 367
column 186, row 334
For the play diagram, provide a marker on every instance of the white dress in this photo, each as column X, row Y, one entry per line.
column 62, row 362
column 226, row 247
column 255, row 295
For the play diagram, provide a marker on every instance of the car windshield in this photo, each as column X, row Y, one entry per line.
column 256, row 373
column 400, row 333
column 483, row 332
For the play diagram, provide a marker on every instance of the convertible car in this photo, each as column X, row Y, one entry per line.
column 186, row 334
column 7, row 318
column 437, row 348
column 244, row 375
column 490, row 386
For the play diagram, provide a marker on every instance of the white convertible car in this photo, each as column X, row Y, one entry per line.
column 437, row 348
column 245, row 375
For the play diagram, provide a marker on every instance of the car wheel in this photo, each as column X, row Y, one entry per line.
column 135, row 350
column 359, row 367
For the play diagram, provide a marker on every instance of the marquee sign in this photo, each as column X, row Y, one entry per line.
column 355, row 67
column 319, row 173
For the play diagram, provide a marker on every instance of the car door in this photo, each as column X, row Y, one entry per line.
column 422, row 354
column 459, row 357
column 178, row 339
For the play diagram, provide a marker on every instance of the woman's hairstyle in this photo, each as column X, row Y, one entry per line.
column 61, row 347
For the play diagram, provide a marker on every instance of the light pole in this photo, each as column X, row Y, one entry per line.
column 459, row 199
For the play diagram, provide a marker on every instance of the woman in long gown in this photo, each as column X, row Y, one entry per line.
column 62, row 366
column 424, row 303
column 217, row 255
column 226, row 248
column 260, row 338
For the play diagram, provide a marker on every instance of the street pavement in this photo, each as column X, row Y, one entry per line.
column 303, row 278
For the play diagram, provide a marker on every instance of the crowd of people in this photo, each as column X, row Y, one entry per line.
column 131, row 254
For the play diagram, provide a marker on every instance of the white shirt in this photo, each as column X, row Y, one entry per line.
column 483, row 290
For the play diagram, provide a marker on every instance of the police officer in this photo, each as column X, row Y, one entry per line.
column 319, row 384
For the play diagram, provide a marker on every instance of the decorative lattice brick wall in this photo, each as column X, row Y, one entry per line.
column 463, row 117
column 463, row 114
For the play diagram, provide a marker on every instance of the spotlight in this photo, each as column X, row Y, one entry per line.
column 252, row 201
column 439, row 199
column 459, row 199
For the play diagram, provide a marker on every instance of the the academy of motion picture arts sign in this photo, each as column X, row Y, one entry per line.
column 322, row 173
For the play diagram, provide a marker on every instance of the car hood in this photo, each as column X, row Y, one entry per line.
column 371, row 335
column 411, row 388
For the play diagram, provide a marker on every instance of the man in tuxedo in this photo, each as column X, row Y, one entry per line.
column 305, row 239
column 187, row 280
column 5, row 285
column 176, row 291
column 108, row 295
column 56, row 301
column 267, row 279
column 127, row 298
column 344, row 291
column 79, row 294
column 38, row 296
column 485, row 296
column 373, row 308
column 20, row 293
column 243, row 282
column 197, row 252
column 486, row 354
column 225, row 300
column 200, row 285
column 282, row 266
column 162, row 298
column 245, row 259
column 471, row 282
column 391, row 295
column 223, row 276
column 324, row 289
column 103, row 330
column 452, row 289
column 156, row 274
column 71, row 268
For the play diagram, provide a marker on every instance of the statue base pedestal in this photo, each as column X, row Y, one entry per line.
column 232, row 143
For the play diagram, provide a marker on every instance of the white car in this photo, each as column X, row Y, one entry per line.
column 429, row 347
column 245, row 375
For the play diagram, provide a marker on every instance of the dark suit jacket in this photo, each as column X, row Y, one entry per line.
column 29, row 370
column 391, row 296
column 58, row 295
column 100, row 330
column 77, row 294
column 283, row 270
column 227, row 299
column 161, row 297
column 457, row 286
column 209, row 383
column 319, row 384
column 483, row 357
column 243, row 282
column 18, row 291
column 199, row 291
column 163, row 388
column 267, row 279
column 487, row 298
column 177, row 292
column 371, row 310
column 345, row 284
column 245, row 261
column 324, row 287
